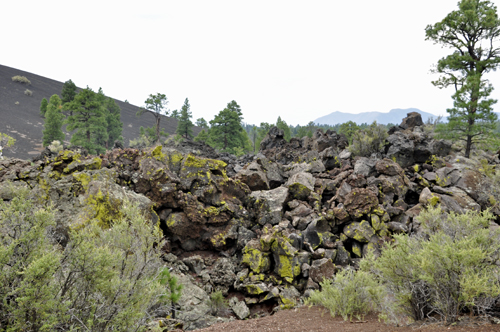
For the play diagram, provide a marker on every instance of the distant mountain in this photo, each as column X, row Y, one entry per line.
column 19, row 113
column 394, row 116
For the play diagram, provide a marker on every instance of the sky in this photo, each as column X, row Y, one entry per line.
column 296, row 59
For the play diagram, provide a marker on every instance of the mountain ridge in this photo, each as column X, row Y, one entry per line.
column 393, row 116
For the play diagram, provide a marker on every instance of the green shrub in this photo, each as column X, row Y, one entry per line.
column 102, row 280
column 445, row 269
column 28, row 92
column 217, row 302
column 368, row 141
column 21, row 79
column 349, row 294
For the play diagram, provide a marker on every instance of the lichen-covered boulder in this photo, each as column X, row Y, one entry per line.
column 388, row 167
column 256, row 260
column 300, row 185
column 268, row 205
column 359, row 231
column 194, row 305
column 360, row 201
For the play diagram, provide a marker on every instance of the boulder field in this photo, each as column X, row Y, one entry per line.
column 265, row 229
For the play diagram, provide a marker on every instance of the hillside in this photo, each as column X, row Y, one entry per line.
column 393, row 116
column 20, row 117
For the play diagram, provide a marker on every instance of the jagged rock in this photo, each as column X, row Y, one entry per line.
column 388, row 167
column 397, row 227
column 254, row 177
column 360, row 201
column 412, row 120
column 244, row 235
column 222, row 273
column 239, row 308
column 343, row 257
column 289, row 296
column 195, row 263
column 274, row 172
column 194, row 308
column 300, row 185
column 365, row 166
column 341, row 215
column 317, row 232
column 256, row 260
column 268, row 205
column 322, row 269
column 427, row 197
column 345, row 154
column 359, row 231
column 274, row 138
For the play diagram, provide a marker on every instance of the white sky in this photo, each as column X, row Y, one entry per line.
column 296, row 59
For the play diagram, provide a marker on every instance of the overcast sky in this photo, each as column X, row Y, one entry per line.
column 296, row 59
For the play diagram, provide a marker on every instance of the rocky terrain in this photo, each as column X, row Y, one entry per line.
column 264, row 230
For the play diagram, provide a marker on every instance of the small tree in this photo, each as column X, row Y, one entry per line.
column 368, row 141
column 201, row 122
column 175, row 114
column 185, row 126
column 202, row 136
column 226, row 132
column 53, row 122
column 43, row 107
column 68, row 92
column 89, row 121
column 157, row 106
column 472, row 32
column 348, row 129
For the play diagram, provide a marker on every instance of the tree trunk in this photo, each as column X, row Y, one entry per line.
column 468, row 146
column 158, row 128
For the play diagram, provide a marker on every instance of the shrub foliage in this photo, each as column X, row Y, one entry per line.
column 102, row 280
column 448, row 268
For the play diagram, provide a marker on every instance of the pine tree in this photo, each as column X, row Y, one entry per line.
column 472, row 32
column 226, row 132
column 157, row 106
column 68, row 92
column 185, row 126
column 89, row 121
column 175, row 114
column 201, row 122
column 43, row 107
column 202, row 136
column 53, row 122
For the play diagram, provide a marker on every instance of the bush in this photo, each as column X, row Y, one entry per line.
column 368, row 141
column 103, row 280
column 6, row 142
column 446, row 269
column 28, row 93
column 349, row 294
column 217, row 302
column 55, row 147
column 21, row 79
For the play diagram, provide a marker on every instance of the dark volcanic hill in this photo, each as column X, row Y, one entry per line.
column 19, row 113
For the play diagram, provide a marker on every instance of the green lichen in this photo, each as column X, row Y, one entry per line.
column 158, row 154
column 299, row 191
column 254, row 289
column 101, row 207
column 415, row 168
column 256, row 260
column 434, row 200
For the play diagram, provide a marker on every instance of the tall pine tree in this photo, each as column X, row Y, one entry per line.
column 185, row 126
column 53, row 122
column 227, row 133
column 89, row 120
column 157, row 106
column 68, row 92
column 473, row 34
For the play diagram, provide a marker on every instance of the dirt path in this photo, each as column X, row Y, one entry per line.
column 316, row 319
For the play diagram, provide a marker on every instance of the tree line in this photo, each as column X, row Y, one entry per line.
column 93, row 117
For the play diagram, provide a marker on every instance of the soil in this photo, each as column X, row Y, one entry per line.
column 317, row 319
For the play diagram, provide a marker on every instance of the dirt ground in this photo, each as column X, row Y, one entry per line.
column 316, row 319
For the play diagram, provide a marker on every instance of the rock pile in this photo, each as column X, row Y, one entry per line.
column 280, row 222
